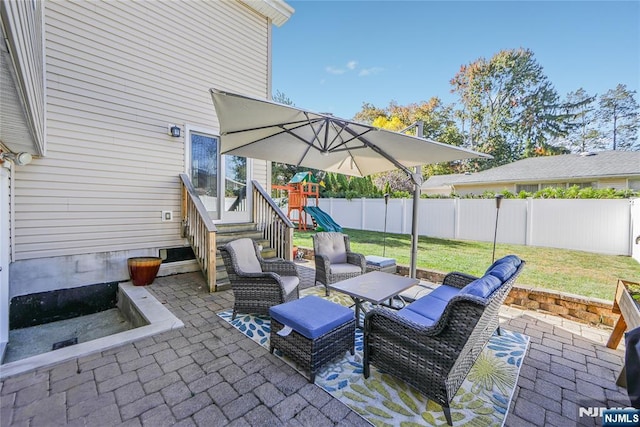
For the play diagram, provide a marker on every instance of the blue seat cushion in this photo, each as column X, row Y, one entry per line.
column 428, row 307
column 444, row 292
column 415, row 317
column 482, row 287
column 379, row 261
column 311, row 316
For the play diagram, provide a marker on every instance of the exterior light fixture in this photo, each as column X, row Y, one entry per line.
column 174, row 131
column 19, row 159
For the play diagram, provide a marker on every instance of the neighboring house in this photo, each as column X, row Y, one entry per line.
column 606, row 169
column 91, row 89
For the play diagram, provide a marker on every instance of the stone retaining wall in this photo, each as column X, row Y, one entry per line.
column 568, row 306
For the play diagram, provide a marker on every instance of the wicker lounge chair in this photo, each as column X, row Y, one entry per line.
column 257, row 283
column 432, row 343
column 334, row 259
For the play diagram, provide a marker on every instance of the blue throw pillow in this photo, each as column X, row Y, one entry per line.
column 503, row 271
column 482, row 287
column 512, row 259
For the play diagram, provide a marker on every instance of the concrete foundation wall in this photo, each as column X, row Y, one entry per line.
column 64, row 272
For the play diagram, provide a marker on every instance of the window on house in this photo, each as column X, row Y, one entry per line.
column 553, row 185
column 634, row 184
column 529, row 188
column 583, row 184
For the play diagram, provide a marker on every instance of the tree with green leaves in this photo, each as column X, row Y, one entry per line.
column 619, row 114
column 510, row 106
column 281, row 98
column 439, row 125
column 543, row 120
column 583, row 133
column 338, row 185
column 368, row 113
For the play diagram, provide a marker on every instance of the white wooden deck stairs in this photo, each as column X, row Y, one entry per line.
column 229, row 232
column 270, row 228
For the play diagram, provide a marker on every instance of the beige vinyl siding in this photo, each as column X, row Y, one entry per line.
column 22, row 21
column 118, row 73
column 260, row 173
column 15, row 131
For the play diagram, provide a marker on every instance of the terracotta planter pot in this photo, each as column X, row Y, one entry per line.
column 143, row 269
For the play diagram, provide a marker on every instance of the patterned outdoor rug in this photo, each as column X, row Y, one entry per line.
column 483, row 398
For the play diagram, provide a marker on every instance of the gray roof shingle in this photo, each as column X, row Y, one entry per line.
column 550, row 168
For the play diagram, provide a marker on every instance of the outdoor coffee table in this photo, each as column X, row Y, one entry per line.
column 374, row 287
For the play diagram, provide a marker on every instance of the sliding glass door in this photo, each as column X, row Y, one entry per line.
column 204, row 170
column 222, row 182
column 236, row 188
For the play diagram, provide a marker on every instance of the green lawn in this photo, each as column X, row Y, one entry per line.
column 575, row 272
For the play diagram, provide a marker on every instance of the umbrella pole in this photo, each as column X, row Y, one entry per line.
column 417, row 184
column 414, row 226
column 384, row 235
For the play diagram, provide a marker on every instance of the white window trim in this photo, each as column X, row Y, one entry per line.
column 187, row 143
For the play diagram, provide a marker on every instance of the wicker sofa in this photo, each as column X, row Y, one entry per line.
column 432, row 343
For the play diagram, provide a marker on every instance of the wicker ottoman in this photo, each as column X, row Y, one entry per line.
column 378, row 263
column 321, row 331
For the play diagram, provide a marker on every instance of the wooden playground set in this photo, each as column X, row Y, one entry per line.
column 301, row 190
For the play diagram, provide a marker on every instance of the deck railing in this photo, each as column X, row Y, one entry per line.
column 274, row 224
column 198, row 227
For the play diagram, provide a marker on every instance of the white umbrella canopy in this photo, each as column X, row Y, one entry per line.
column 261, row 129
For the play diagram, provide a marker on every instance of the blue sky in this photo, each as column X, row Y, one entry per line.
column 332, row 56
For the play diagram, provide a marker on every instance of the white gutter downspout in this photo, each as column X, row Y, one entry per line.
column 5, row 172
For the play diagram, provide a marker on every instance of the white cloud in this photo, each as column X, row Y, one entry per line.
column 370, row 71
column 350, row 66
column 333, row 70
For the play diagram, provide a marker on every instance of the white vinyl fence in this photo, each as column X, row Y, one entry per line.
column 602, row 226
column 635, row 229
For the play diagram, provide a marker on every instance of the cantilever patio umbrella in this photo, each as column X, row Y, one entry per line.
column 261, row 129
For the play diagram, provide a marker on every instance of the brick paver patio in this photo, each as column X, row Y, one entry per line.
column 209, row 374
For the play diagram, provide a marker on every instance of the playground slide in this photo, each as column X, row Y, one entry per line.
column 322, row 218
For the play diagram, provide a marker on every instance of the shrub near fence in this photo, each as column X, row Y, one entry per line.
column 606, row 226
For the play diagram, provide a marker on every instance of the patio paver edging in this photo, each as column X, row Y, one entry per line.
column 568, row 306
